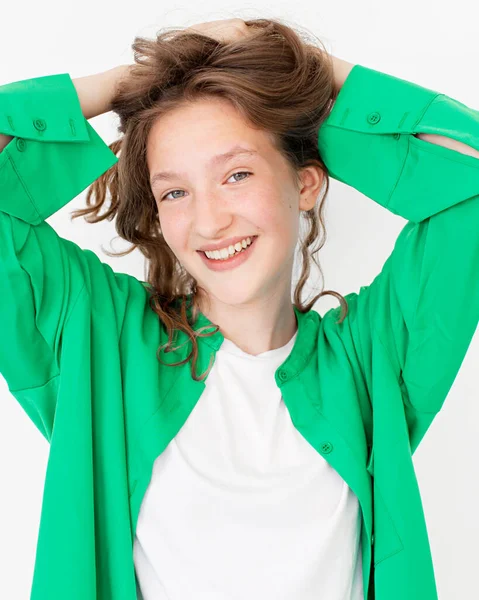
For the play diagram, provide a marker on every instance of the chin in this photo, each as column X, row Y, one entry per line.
column 228, row 295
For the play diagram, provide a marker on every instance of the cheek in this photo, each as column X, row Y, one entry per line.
column 173, row 229
column 277, row 215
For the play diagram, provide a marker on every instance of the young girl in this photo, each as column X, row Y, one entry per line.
column 271, row 455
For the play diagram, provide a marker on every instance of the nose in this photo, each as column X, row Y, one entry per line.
column 211, row 216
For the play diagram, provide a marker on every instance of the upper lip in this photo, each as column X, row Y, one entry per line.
column 225, row 243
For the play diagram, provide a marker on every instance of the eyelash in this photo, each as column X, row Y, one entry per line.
column 237, row 173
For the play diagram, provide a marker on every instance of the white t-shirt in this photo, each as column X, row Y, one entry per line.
column 240, row 506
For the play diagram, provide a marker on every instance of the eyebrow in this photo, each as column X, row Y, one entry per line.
column 213, row 162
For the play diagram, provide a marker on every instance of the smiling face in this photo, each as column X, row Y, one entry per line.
column 203, row 200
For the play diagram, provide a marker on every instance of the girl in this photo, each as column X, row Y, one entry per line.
column 271, row 457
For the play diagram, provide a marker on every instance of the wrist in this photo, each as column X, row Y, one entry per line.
column 114, row 76
column 341, row 69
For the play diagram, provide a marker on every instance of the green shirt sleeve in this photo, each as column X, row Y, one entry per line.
column 53, row 156
column 421, row 311
column 56, row 153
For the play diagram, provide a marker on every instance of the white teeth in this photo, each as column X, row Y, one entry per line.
column 229, row 251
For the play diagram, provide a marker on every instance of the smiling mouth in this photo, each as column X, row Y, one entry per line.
column 232, row 261
column 236, row 253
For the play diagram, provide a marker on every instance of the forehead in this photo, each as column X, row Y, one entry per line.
column 213, row 125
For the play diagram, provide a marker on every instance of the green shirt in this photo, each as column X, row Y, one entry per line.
column 79, row 340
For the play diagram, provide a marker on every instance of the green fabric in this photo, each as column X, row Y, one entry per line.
column 80, row 341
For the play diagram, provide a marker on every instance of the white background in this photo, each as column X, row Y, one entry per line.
column 431, row 43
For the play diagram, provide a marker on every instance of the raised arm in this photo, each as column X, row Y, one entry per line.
column 342, row 68
column 53, row 155
column 94, row 93
column 415, row 152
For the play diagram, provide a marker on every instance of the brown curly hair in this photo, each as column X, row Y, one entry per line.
column 276, row 79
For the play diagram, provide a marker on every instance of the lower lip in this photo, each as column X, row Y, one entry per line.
column 229, row 263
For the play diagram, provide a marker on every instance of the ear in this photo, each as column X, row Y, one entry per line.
column 312, row 178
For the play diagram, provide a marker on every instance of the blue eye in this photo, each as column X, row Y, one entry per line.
column 241, row 173
column 171, row 193
column 237, row 173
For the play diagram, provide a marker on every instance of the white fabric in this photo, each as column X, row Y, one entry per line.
column 240, row 506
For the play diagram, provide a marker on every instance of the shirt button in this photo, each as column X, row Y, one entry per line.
column 40, row 124
column 326, row 448
column 20, row 144
column 283, row 375
column 374, row 118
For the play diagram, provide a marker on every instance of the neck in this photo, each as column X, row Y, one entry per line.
column 255, row 328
